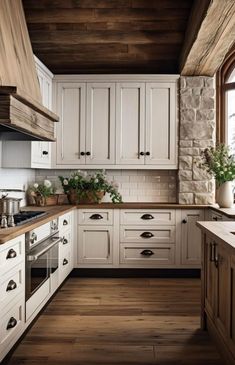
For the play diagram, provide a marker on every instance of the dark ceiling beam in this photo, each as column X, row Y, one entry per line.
column 209, row 36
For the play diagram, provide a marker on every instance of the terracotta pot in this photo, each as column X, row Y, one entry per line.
column 51, row 200
column 225, row 195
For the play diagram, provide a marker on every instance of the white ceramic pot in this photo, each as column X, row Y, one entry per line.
column 225, row 196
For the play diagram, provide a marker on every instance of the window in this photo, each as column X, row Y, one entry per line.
column 226, row 102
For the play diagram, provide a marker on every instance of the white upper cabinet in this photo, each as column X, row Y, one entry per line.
column 100, row 124
column 27, row 154
column 161, row 146
column 130, row 123
column 116, row 121
column 70, row 131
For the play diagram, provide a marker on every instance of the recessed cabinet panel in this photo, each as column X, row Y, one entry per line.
column 160, row 124
column 71, row 129
column 147, row 234
column 95, row 245
column 191, row 237
column 100, row 126
column 130, row 119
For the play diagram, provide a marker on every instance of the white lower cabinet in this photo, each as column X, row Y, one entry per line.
column 12, row 293
column 139, row 238
column 191, row 237
column 66, row 245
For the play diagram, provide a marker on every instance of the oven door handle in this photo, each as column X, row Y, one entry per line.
column 56, row 240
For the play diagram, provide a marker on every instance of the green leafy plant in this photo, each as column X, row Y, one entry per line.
column 43, row 189
column 218, row 162
column 85, row 184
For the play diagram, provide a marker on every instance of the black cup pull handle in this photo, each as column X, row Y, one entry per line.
column 11, row 254
column 147, row 253
column 65, row 241
column 147, row 235
column 45, row 153
column 11, row 323
column 65, row 222
column 96, row 216
column 147, row 216
column 11, row 285
column 65, row 262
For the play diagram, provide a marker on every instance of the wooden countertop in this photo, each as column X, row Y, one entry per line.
column 6, row 234
column 141, row 205
column 220, row 231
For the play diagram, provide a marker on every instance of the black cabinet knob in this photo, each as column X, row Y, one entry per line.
column 147, row 235
column 65, row 262
column 88, row 153
column 11, row 254
column 96, row 216
column 11, row 285
column 147, row 253
column 82, row 153
column 147, row 216
column 65, row 222
column 11, row 323
column 65, row 241
column 215, row 218
column 45, row 152
column 141, row 153
column 147, row 153
column 184, row 221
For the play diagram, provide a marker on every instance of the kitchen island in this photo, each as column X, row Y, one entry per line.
column 218, row 285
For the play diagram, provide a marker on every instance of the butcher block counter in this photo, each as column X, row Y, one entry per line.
column 52, row 212
column 7, row 234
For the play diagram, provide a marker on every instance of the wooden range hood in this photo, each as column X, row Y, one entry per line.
column 22, row 116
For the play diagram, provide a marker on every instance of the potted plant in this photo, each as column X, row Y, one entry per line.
column 82, row 187
column 43, row 193
column 220, row 164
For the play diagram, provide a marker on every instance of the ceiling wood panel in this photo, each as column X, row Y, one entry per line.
column 108, row 36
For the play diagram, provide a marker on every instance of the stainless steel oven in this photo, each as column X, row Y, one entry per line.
column 42, row 257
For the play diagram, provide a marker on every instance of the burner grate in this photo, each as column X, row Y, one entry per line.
column 27, row 216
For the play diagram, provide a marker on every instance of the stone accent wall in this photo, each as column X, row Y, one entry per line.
column 197, row 131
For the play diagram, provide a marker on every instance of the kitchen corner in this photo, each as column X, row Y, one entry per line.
column 116, row 141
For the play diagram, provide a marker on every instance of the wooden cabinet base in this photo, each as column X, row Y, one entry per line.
column 220, row 342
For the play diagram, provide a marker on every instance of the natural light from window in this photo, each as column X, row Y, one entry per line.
column 230, row 113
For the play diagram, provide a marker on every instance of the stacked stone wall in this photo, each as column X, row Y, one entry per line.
column 197, row 131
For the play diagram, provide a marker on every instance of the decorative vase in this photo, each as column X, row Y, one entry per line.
column 225, row 196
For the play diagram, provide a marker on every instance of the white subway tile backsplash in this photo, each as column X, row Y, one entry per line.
column 134, row 185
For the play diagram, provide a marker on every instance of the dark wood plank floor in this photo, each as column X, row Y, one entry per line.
column 120, row 321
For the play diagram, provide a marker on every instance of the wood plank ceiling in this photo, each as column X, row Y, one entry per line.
column 108, row 36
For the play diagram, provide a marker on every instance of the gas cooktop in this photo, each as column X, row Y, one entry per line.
column 27, row 216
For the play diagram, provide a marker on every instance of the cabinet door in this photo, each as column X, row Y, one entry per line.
column 100, row 123
column 41, row 151
column 222, row 295
column 232, row 306
column 130, row 119
column 210, row 277
column 95, row 245
column 70, row 131
column 161, row 129
column 191, row 237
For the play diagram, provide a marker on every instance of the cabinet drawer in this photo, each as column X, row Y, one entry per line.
column 12, row 253
column 11, row 285
column 95, row 217
column 165, row 234
column 139, row 254
column 12, row 324
column 146, row 217
column 65, row 221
